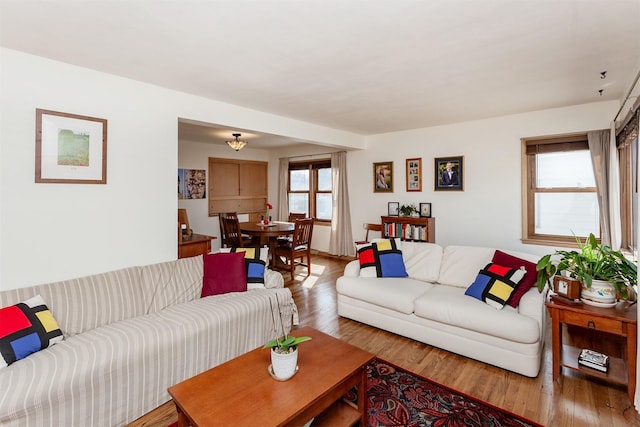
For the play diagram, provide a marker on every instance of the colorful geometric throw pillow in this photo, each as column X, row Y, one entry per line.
column 382, row 258
column 26, row 328
column 223, row 273
column 256, row 262
column 494, row 284
column 527, row 282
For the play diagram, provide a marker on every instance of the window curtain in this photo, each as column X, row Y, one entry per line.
column 605, row 168
column 341, row 238
column 283, row 189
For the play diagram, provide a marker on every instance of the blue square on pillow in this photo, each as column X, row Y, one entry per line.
column 255, row 272
column 392, row 265
column 24, row 346
column 477, row 288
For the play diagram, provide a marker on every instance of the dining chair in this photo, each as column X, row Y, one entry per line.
column 299, row 247
column 293, row 216
column 369, row 227
column 233, row 237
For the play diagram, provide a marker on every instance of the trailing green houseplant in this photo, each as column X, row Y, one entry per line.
column 592, row 261
column 407, row 210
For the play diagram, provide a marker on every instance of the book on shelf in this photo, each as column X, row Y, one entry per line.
column 593, row 359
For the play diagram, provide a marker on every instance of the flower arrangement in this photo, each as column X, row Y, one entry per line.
column 267, row 215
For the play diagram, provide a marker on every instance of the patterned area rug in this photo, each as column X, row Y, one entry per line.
column 400, row 398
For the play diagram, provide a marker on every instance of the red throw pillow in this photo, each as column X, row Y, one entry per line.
column 527, row 282
column 223, row 273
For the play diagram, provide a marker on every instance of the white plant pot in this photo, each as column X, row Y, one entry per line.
column 600, row 292
column 285, row 365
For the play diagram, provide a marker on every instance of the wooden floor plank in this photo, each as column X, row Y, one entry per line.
column 575, row 400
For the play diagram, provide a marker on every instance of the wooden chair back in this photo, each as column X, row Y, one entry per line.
column 221, row 216
column 302, row 233
column 232, row 235
column 296, row 215
column 369, row 227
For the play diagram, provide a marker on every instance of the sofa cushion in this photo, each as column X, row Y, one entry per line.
column 495, row 284
column 223, row 273
column 381, row 258
column 26, row 328
column 422, row 260
column 527, row 282
column 256, row 263
column 460, row 264
column 393, row 293
column 449, row 305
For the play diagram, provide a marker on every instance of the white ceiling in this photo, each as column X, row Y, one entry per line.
column 365, row 66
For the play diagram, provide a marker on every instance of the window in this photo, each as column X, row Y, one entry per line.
column 560, row 201
column 310, row 189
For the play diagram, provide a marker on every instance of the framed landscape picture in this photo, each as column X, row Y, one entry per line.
column 383, row 177
column 414, row 174
column 70, row 148
column 449, row 173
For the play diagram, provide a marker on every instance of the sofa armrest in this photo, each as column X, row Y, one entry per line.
column 532, row 305
column 273, row 279
column 352, row 269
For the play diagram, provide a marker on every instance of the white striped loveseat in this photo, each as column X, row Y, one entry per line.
column 128, row 336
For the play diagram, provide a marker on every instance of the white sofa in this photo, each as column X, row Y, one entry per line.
column 128, row 336
column 431, row 306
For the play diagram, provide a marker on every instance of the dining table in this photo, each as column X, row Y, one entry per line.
column 268, row 235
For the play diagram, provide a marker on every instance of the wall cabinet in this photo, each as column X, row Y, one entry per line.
column 409, row 228
column 237, row 185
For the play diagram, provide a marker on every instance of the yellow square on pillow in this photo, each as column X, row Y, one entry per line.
column 501, row 290
column 47, row 320
column 384, row 245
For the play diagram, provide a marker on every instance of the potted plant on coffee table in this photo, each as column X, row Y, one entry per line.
column 284, row 356
column 605, row 275
column 284, row 350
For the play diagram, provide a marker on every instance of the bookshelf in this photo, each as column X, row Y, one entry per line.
column 409, row 228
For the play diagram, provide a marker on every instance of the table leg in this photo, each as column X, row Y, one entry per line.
column 632, row 342
column 362, row 402
column 556, row 342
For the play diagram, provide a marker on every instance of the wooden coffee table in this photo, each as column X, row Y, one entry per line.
column 241, row 392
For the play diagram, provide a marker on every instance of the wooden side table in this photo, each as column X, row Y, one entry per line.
column 620, row 320
column 196, row 244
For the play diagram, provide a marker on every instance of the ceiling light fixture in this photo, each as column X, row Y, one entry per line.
column 236, row 144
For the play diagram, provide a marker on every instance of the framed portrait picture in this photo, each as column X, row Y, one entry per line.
column 393, row 208
column 70, row 148
column 425, row 210
column 383, row 177
column 449, row 173
column 414, row 174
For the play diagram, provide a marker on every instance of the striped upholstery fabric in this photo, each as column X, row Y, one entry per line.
column 113, row 374
column 171, row 282
column 80, row 305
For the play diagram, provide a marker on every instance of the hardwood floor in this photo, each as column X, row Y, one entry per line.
column 573, row 401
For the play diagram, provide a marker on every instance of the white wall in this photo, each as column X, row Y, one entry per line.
column 52, row 232
column 488, row 211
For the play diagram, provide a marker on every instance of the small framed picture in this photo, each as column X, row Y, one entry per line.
column 425, row 210
column 449, row 174
column 393, row 208
column 383, row 177
column 414, row 174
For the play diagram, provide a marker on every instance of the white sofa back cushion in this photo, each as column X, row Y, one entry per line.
column 422, row 260
column 461, row 264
